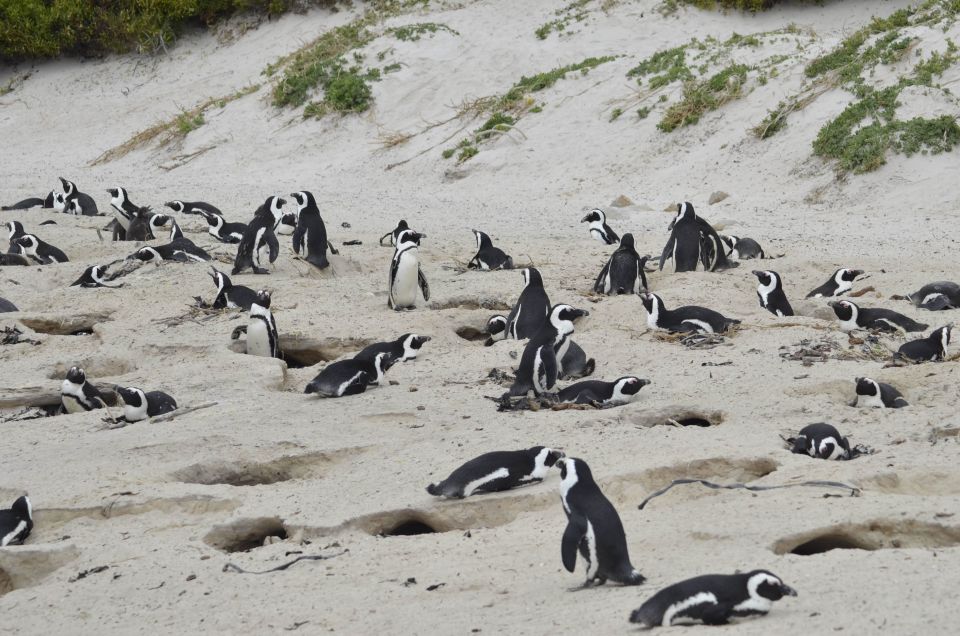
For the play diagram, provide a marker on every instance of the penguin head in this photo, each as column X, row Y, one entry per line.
column 175, row 231
column 651, row 302
column 766, row 585
column 131, row 396
column 59, row 201
column 68, row 186
column 844, row 309
column 532, row 277
column 544, row 457
column 275, row 205
column 146, row 254
column 483, row 240
column 595, row 215
column 730, row 240
column 562, row 317
column 220, row 279
column 263, row 299
column 685, row 211
column 629, row 385
column 76, row 375
column 766, row 278
column 626, row 242
column 408, row 239
column 28, row 243
column 303, row 200
column 22, row 508
column 573, row 470
column 496, row 324
column 176, row 206
column 157, row 220
column 15, row 228
column 942, row 337
column 868, row 387
column 118, row 196
column 844, row 275
column 412, row 343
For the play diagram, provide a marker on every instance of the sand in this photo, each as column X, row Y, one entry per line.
column 162, row 505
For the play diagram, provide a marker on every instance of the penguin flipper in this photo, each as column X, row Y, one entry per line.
column 714, row 613
column 576, row 529
column 424, row 285
column 273, row 244
column 641, row 264
column 551, row 368
column 668, row 248
column 298, row 235
column 598, row 284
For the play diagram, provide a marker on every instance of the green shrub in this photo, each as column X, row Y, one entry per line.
column 348, row 93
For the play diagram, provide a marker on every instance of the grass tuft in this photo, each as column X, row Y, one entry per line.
column 702, row 96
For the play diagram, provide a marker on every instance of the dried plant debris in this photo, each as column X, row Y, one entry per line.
column 13, row 335
column 808, row 351
column 694, row 340
column 853, row 490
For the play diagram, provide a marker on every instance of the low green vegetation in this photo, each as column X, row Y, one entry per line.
column 741, row 5
column 665, row 66
column 702, row 96
column 413, row 32
column 188, row 121
column 576, row 11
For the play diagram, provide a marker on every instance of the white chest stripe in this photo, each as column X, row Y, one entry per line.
column 593, row 564
column 499, row 473
column 13, row 533
column 685, row 604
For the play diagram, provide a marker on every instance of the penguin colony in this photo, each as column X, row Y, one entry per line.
column 594, row 532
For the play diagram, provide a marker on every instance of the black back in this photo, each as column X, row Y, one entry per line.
column 531, row 309
column 310, row 235
column 624, row 267
column 684, row 242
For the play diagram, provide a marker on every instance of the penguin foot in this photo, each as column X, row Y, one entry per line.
column 259, row 270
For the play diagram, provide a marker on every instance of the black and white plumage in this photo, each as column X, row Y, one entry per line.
column 403, row 349
column 310, row 235
column 349, row 377
column 40, row 251
column 77, row 395
column 394, row 234
column 262, row 336
column 623, row 268
column 771, row 294
column 689, row 318
column 124, row 211
column 180, row 249
column 14, row 231
column 496, row 328
column 140, row 226
column 531, row 309
column 572, row 361
column 620, row 391
column 693, row 240
column 539, row 367
column 852, row 316
column 712, row 599
column 839, row 284
column 497, row 471
column 59, row 202
column 821, row 441
column 219, row 229
column 160, row 221
column 488, row 257
column 598, row 227
column 32, row 202
column 742, row 249
column 937, row 296
column 139, row 405
column 175, row 231
column 406, row 276
column 83, row 203
column 16, row 522
column 260, row 236
column 92, row 277
column 871, row 393
column 929, row 349
column 14, row 258
column 593, row 527
column 230, row 296
column 287, row 224
column 7, row 307
column 192, row 207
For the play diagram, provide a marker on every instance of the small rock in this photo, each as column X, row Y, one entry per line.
column 717, row 197
column 413, row 389
column 192, row 577
column 621, row 201
column 421, row 408
column 393, row 383
column 345, row 225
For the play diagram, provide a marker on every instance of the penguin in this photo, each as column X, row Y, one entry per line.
column 599, row 229
column 158, row 222
column 593, row 527
column 531, row 309
column 712, row 599
column 770, row 293
column 937, row 296
column 32, row 202
column 620, row 274
column 40, row 251
column 287, row 224
column 310, row 236
column 230, row 296
column 260, row 236
column 192, row 207
column 175, row 231
column 262, row 337
column 488, row 257
column 93, row 277
column 684, row 319
column 138, row 405
column 394, row 234
column 139, row 225
column 852, row 316
column 124, row 211
column 349, row 377
column 932, row 348
column 16, row 522
column 219, row 229
column 821, row 441
column 83, row 203
column 620, row 391
column 180, row 249
column 7, row 307
column 871, row 393
column 572, row 361
column 14, row 231
column 406, row 274
column 403, row 349
column 13, row 259
column 496, row 328
column 539, row 369
column 683, row 246
column 77, row 395
column 59, row 202
column 496, row 472
column 742, row 249
column 839, row 284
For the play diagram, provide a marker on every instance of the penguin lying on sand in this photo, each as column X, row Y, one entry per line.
column 937, row 296
column 689, row 318
column 623, row 268
column 620, row 391
column 40, row 251
column 349, row 377
column 192, row 207
column 82, row 203
column 839, row 284
column 16, row 522
column 403, row 349
column 871, row 393
column 32, row 202
column 497, row 471
column 180, row 249
column 821, row 441
column 930, row 349
column 742, row 249
column 77, row 395
column 219, row 229
column 852, row 316
column 488, row 257
column 230, row 296
column 93, row 276
column 139, row 405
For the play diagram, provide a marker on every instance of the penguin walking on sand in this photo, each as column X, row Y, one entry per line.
column 230, row 296
column 219, row 229
column 40, row 251
column 930, row 349
column 77, row 395
column 16, row 522
column 349, row 377
column 83, row 203
column 93, row 276
column 852, row 316
column 405, row 273
column 839, row 284
column 403, row 349
column 310, row 235
column 539, row 368
column 820, row 441
column 593, row 527
column 712, row 599
column 531, row 309
column 690, row 318
column 32, row 202
column 742, row 249
column 496, row 472
column 192, row 207
column 937, row 296
column 598, row 227
column 488, row 257
column 262, row 337
column 620, row 274
column 139, row 405
column 771, row 294
column 871, row 393
column 260, row 236
column 621, row 391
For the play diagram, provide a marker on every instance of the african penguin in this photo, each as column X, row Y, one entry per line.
column 192, row 207
column 405, row 273
column 139, row 227
column 138, row 405
column 260, row 236
column 219, row 229
column 287, row 224
column 230, row 296
column 821, row 441
column 488, row 257
column 683, row 246
column 624, row 267
column 742, row 249
column 394, row 234
column 6, row 306
column 770, row 292
column 83, row 203
column 539, row 368
column 14, row 258
column 349, row 377
column 496, row 472
column 16, row 522
column 690, row 318
column 572, row 360
column 262, row 337
column 932, row 348
column 14, row 231
column 852, row 316
column 175, row 231
column 593, row 527
column 599, row 229
column 936, row 296
column 403, row 349
column 158, row 222
column 497, row 328
column 840, row 283
column 712, row 599
column 124, row 211
column 180, row 249
column 310, row 235
column 871, row 393
column 77, row 395
column 531, row 309
column 32, row 202
column 59, row 202
column 40, row 251
column 620, row 391
column 93, row 277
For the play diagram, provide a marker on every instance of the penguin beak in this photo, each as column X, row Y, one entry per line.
column 832, row 303
column 857, row 272
column 584, row 219
column 643, row 382
column 787, row 590
column 756, row 273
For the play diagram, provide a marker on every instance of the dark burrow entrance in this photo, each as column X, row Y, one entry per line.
column 243, row 535
column 409, row 528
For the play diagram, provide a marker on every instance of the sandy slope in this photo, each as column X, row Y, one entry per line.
column 339, row 472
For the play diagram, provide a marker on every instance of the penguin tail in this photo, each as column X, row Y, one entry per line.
column 632, row 577
column 434, row 489
column 589, row 368
column 643, row 617
column 320, row 262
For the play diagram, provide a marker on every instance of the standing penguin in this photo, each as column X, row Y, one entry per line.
column 683, row 246
column 496, row 472
column 821, row 441
column 770, row 292
column 871, row 393
column 931, row 348
column 349, row 377
column 531, row 309
column 488, row 257
column 124, row 211
column 139, row 405
column 599, row 229
column 219, row 229
column 40, row 251
column 262, row 337
column 620, row 274
column 689, row 318
column 593, row 527
column 405, row 273
column 93, row 276
column 936, row 296
column 192, row 207
column 394, row 234
column 16, row 523
column 852, row 316
column 83, row 203
column 231, row 296
column 712, row 599
column 310, row 236
column 539, row 367
column 839, row 284
column 259, row 236
column 77, row 395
